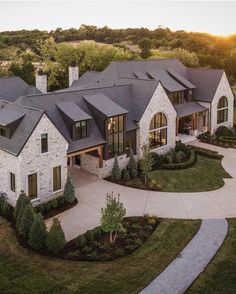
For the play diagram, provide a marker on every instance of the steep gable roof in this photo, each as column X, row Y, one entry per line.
column 207, row 81
column 13, row 87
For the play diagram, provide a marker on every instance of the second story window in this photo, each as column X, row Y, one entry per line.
column 115, row 129
column 80, row 130
column 44, row 143
column 176, row 97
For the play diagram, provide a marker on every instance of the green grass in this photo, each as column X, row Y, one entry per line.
column 220, row 275
column 206, row 175
column 22, row 271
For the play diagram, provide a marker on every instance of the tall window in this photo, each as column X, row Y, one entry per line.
column 44, row 143
column 32, row 186
column 57, row 178
column 222, row 110
column 158, row 131
column 80, row 129
column 115, row 129
column 13, row 182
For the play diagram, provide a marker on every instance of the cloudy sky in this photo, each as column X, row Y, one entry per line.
column 215, row 17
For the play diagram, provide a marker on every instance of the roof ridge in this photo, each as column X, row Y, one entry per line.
column 144, row 60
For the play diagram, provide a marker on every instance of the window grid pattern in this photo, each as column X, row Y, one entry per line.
column 222, row 110
column 158, row 131
column 115, row 129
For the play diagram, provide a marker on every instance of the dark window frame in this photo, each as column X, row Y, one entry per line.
column 177, row 97
column 42, row 144
column 33, row 179
column 158, row 131
column 222, row 110
column 57, row 182
column 116, row 135
column 78, row 131
column 3, row 131
column 13, row 182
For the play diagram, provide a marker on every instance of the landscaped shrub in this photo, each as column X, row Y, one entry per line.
column 1, row 204
column 56, row 237
column 38, row 233
column 97, row 233
column 26, row 221
column 179, row 156
column 223, row 131
column 154, row 184
column 126, row 176
column 158, row 160
column 89, row 236
column 22, row 201
column 115, row 173
column 187, row 164
column 132, row 166
column 182, row 147
column 80, row 241
column 6, row 209
column 208, row 153
column 69, row 191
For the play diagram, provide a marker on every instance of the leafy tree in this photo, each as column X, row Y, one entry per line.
column 26, row 221
column 116, row 173
column 6, row 209
column 132, row 165
column 56, row 237
column 146, row 162
column 112, row 216
column 22, row 201
column 69, row 191
column 126, row 175
column 38, row 233
column 145, row 46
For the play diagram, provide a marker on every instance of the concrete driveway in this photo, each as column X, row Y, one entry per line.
column 91, row 194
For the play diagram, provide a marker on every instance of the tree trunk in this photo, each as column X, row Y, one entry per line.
column 115, row 237
column 110, row 237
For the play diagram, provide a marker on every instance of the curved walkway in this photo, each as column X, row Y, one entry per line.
column 192, row 260
column 91, row 194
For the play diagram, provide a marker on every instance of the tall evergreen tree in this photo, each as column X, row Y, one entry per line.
column 116, row 172
column 56, row 237
column 38, row 233
column 22, row 201
column 132, row 165
column 69, row 191
column 26, row 221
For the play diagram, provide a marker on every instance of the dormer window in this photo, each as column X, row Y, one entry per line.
column 3, row 132
column 176, row 97
column 80, row 130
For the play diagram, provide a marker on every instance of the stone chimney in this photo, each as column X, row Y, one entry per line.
column 41, row 81
column 73, row 74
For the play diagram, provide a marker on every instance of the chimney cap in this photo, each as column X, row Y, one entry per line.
column 40, row 72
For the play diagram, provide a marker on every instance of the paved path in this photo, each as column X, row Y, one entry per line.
column 91, row 194
column 192, row 260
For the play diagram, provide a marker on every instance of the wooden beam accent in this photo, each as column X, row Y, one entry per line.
column 177, row 126
column 100, row 152
column 96, row 148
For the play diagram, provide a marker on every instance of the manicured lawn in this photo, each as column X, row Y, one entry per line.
column 220, row 275
column 22, row 271
column 206, row 175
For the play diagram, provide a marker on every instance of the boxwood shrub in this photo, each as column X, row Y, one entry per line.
column 182, row 165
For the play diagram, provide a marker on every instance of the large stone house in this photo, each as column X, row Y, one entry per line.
column 100, row 114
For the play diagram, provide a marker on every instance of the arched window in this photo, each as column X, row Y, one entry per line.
column 222, row 110
column 158, row 131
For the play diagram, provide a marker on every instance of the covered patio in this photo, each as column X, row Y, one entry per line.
column 192, row 119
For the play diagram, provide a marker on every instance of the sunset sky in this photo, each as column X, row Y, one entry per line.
column 215, row 17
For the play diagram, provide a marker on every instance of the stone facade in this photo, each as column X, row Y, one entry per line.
column 222, row 90
column 41, row 83
column 158, row 103
column 73, row 74
column 31, row 161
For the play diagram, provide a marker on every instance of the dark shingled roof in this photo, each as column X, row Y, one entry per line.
column 188, row 108
column 10, row 113
column 181, row 79
column 13, row 87
column 73, row 111
column 105, row 105
column 25, row 128
column 207, row 81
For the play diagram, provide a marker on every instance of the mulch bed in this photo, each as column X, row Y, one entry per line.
column 63, row 207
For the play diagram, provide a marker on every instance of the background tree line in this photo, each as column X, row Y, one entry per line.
column 21, row 51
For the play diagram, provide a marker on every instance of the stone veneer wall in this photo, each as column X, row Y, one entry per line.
column 222, row 90
column 158, row 103
column 73, row 74
column 41, row 83
column 31, row 160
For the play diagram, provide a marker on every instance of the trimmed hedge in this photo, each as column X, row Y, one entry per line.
column 182, row 165
column 207, row 153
